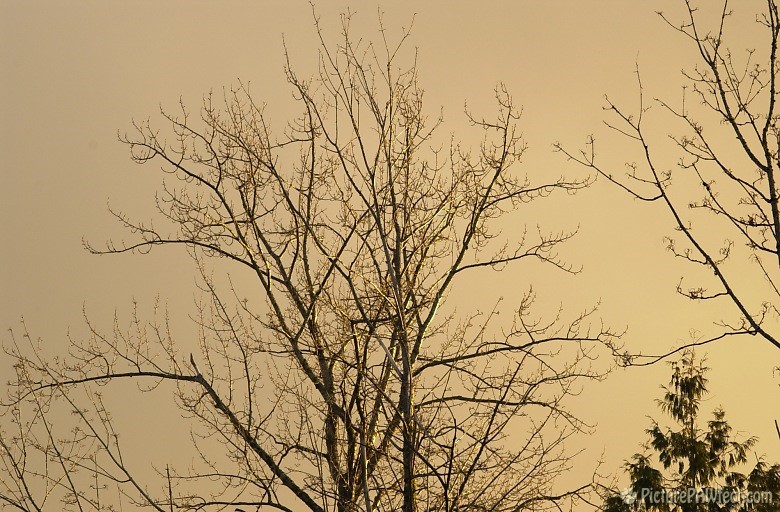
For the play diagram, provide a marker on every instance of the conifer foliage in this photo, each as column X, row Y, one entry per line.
column 691, row 466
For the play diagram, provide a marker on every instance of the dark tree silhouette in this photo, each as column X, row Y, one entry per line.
column 698, row 464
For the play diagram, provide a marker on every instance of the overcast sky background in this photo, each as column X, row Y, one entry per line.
column 72, row 74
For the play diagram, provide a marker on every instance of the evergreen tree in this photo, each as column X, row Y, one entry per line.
column 698, row 465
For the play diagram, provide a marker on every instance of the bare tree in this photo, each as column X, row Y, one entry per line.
column 728, row 148
column 352, row 384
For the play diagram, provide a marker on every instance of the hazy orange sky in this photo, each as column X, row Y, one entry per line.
column 73, row 73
